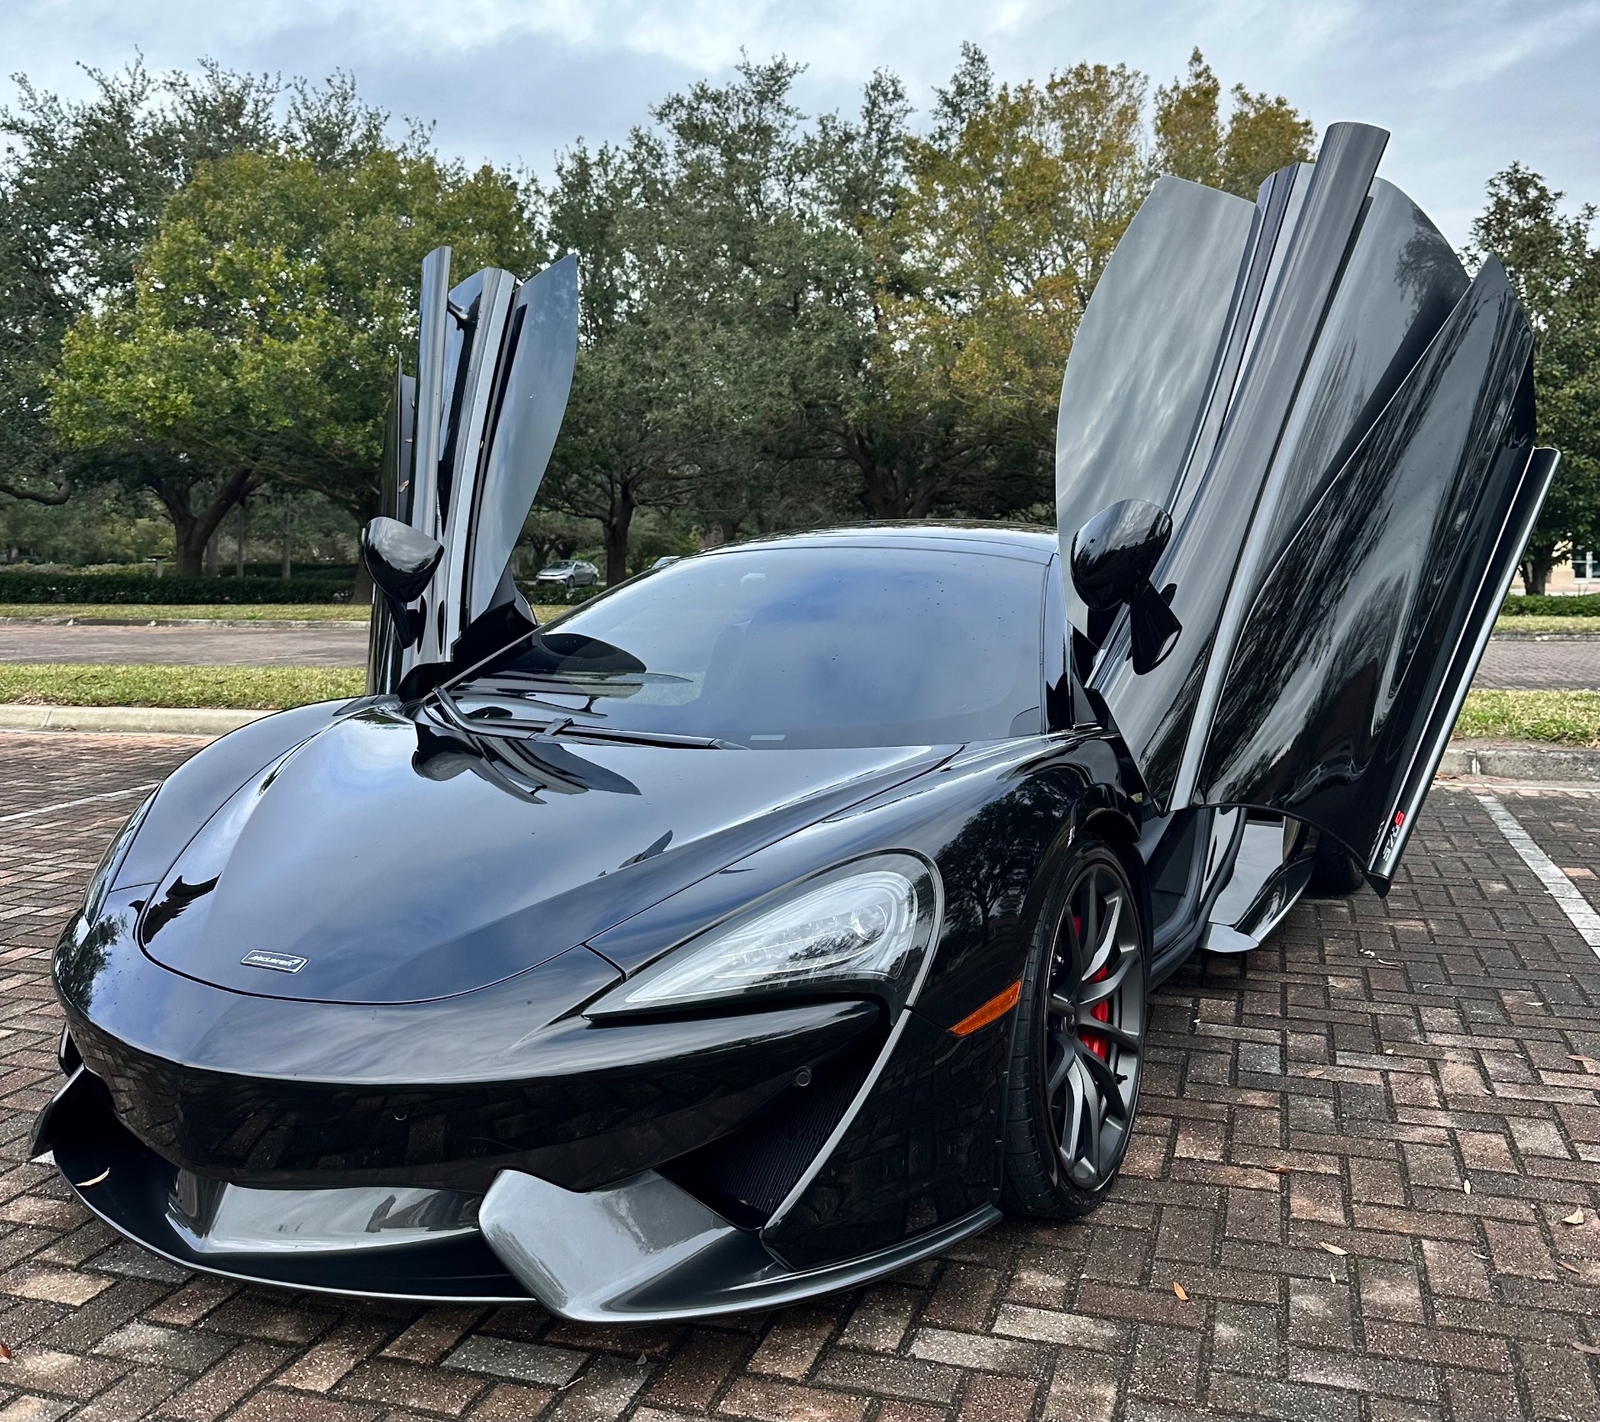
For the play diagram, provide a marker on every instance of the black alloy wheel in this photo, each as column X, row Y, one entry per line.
column 1078, row 1048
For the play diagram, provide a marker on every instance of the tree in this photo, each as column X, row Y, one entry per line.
column 268, row 311
column 82, row 186
column 1556, row 273
column 1261, row 135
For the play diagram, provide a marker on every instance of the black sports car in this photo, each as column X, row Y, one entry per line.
column 790, row 912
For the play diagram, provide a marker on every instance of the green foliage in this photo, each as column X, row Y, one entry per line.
column 1535, row 605
column 1261, row 135
column 44, row 588
column 268, row 312
column 1556, row 271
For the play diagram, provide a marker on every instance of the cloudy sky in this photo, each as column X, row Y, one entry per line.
column 1464, row 87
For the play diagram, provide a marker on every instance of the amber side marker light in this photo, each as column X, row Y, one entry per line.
column 994, row 1009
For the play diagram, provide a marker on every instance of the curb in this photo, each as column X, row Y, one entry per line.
column 1521, row 760
column 127, row 720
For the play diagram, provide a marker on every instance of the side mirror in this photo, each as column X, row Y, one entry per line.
column 1113, row 556
column 402, row 561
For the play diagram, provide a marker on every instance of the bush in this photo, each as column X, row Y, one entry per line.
column 142, row 588
column 1579, row 605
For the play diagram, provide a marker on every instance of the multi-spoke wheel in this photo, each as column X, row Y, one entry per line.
column 1079, row 1042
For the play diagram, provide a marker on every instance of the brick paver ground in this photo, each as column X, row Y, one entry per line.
column 1524, row 663
column 1313, row 1119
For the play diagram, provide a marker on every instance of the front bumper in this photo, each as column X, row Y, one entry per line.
column 641, row 1251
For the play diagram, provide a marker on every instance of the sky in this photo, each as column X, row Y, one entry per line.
column 1465, row 88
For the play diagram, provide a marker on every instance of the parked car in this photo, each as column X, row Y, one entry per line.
column 769, row 923
column 570, row 573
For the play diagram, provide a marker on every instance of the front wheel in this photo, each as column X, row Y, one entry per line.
column 1078, row 1047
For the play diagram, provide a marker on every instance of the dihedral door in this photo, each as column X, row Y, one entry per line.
column 469, row 443
column 1341, row 425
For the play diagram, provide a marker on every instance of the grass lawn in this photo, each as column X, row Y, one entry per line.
column 240, row 688
column 1569, row 718
column 215, row 612
column 1589, row 626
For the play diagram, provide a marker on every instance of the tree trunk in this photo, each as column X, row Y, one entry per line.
column 238, row 562
column 1536, row 565
column 288, row 543
column 213, row 555
column 616, row 530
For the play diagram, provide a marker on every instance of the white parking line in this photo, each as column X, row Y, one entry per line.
column 73, row 804
column 1573, row 904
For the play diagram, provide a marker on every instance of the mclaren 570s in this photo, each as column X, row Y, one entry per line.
column 791, row 912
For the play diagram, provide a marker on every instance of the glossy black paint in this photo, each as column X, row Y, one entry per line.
column 1354, row 466
column 359, row 944
column 1344, row 649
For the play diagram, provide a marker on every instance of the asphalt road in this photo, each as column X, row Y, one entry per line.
column 1509, row 662
column 334, row 644
column 1314, row 1114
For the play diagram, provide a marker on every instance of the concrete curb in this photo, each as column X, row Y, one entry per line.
column 1521, row 760
column 126, row 720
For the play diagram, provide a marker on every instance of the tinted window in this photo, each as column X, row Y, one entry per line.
column 798, row 647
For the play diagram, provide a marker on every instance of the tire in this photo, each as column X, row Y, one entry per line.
column 1073, row 1086
column 1334, row 874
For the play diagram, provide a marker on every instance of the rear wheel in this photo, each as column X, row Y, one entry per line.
column 1078, row 1048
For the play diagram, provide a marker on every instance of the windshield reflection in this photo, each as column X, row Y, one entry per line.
column 789, row 647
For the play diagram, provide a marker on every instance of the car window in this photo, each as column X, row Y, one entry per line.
column 797, row 647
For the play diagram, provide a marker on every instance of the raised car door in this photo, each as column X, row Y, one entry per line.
column 494, row 371
column 1340, row 424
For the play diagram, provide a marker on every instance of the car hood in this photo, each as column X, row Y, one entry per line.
column 389, row 859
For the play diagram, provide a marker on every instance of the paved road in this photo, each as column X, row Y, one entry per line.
column 337, row 644
column 1339, row 1087
column 1508, row 662
column 1570, row 664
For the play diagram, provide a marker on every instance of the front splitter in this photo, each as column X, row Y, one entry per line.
column 644, row 1251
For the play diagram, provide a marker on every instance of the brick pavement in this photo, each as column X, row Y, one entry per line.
column 1314, row 1116
column 1556, row 664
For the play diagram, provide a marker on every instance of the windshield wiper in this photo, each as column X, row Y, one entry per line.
column 582, row 730
column 565, row 726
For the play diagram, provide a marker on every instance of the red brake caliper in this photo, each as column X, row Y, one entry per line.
column 1101, row 1011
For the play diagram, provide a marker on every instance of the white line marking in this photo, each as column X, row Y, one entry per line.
column 1573, row 904
column 73, row 804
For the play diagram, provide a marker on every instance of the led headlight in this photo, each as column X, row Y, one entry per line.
column 868, row 922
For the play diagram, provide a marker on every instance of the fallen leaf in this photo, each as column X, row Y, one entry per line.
column 1582, row 1061
column 1332, row 1248
column 1177, row 1288
column 5, row 1354
column 1570, row 1268
column 85, row 1184
column 1588, row 1348
column 1315, row 1071
column 1388, row 1051
column 1281, row 1169
column 1575, row 1218
column 1466, row 1186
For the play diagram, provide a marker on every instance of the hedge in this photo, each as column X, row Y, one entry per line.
column 142, row 588
column 1578, row 605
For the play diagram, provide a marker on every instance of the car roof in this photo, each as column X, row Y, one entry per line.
column 1031, row 542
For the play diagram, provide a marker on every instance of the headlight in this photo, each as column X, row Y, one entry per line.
column 869, row 922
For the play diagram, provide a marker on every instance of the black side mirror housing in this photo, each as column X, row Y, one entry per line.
column 402, row 561
column 1113, row 556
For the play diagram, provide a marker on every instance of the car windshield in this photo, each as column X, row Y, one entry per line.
column 791, row 647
